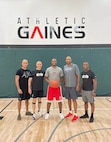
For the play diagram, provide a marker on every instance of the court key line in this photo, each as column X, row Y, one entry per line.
column 101, row 129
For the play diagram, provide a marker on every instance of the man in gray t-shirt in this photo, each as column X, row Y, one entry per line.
column 71, row 83
column 54, row 73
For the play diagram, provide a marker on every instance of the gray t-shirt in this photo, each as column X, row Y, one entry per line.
column 54, row 73
column 70, row 73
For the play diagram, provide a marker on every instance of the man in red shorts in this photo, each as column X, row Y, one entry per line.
column 54, row 73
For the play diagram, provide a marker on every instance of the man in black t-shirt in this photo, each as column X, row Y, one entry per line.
column 21, row 81
column 35, row 87
column 88, row 90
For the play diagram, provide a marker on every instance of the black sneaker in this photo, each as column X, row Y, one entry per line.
column 84, row 116
column 28, row 113
column 91, row 120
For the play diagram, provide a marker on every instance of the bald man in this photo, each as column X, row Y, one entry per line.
column 35, row 87
column 88, row 90
column 21, row 81
column 71, row 84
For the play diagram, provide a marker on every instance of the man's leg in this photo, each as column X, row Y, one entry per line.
column 19, row 109
column 48, row 109
column 33, row 105
column 92, row 112
column 86, row 110
column 27, row 107
column 75, row 110
column 60, row 110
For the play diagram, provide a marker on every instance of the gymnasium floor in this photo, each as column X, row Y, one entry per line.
column 54, row 129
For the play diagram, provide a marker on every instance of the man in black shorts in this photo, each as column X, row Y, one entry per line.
column 88, row 90
column 35, row 87
column 21, row 81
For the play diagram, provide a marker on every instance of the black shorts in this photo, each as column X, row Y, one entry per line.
column 24, row 96
column 37, row 94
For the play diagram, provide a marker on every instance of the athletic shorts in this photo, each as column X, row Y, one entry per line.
column 24, row 96
column 37, row 94
column 70, row 93
column 54, row 93
column 87, row 96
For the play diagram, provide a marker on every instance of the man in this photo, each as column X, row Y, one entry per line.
column 21, row 81
column 71, row 83
column 88, row 90
column 35, row 87
column 54, row 73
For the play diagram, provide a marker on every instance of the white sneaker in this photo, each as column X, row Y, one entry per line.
column 40, row 114
column 61, row 115
column 47, row 116
column 34, row 116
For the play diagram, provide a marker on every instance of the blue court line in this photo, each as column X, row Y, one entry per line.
column 101, row 129
column 6, row 106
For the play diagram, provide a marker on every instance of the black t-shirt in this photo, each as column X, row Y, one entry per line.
column 37, row 80
column 87, row 78
column 23, row 80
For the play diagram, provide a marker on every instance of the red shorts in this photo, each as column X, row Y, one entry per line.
column 54, row 93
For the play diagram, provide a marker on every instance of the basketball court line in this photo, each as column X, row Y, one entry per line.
column 85, row 132
column 18, row 137
column 6, row 106
column 52, row 133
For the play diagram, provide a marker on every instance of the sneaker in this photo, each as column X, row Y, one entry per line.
column 68, row 115
column 61, row 115
column 91, row 120
column 19, row 117
column 34, row 116
column 1, row 117
column 74, row 118
column 47, row 116
column 28, row 113
column 85, row 116
column 40, row 114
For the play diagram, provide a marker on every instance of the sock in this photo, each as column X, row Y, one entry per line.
column 86, row 113
column 75, row 114
column 91, row 115
column 70, row 111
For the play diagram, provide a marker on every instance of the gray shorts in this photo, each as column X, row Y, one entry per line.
column 70, row 93
column 87, row 96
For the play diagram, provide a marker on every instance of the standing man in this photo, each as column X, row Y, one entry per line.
column 35, row 87
column 88, row 90
column 54, row 73
column 71, row 84
column 21, row 81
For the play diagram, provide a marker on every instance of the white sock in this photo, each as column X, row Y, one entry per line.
column 70, row 111
column 75, row 114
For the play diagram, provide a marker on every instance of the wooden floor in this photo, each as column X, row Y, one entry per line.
column 54, row 129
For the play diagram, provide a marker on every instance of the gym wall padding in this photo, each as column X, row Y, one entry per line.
column 10, row 60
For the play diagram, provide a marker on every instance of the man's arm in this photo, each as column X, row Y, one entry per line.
column 94, row 85
column 78, row 82
column 46, row 79
column 29, row 85
column 17, row 84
